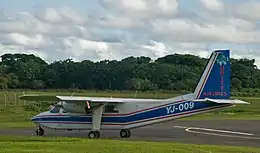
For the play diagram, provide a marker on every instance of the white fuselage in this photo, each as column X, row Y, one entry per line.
column 137, row 113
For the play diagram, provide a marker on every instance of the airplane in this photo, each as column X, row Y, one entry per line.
column 101, row 113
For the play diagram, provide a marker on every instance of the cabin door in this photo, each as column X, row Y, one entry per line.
column 60, row 125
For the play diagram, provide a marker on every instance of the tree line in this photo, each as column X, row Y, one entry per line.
column 173, row 72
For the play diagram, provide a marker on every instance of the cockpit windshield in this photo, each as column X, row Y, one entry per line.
column 55, row 109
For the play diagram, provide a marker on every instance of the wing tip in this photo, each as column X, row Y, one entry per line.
column 37, row 97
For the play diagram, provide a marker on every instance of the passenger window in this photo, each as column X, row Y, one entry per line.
column 64, row 111
column 111, row 109
column 55, row 110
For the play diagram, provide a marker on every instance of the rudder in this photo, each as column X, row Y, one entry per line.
column 215, row 80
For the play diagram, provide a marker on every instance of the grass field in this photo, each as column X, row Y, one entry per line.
column 16, row 113
column 77, row 145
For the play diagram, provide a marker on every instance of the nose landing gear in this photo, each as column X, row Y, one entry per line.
column 39, row 131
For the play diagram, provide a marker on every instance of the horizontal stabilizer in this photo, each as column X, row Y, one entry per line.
column 222, row 101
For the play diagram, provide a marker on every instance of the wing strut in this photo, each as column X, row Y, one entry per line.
column 96, row 121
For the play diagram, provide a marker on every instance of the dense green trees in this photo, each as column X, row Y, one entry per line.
column 172, row 72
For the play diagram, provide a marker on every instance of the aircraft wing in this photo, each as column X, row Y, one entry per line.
column 70, row 99
column 73, row 99
column 34, row 97
column 222, row 101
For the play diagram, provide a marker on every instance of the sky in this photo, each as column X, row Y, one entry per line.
column 115, row 29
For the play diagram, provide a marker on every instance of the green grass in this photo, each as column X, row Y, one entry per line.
column 78, row 145
column 17, row 113
column 15, row 117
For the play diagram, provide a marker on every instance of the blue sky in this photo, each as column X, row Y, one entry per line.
column 28, row 5
column 94, row 31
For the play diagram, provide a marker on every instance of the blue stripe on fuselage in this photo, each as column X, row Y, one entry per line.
column 184, row 107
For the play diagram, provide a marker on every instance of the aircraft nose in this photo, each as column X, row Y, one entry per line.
column 34, row 118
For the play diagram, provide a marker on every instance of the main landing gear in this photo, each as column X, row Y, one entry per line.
column 94, row 134
column 125, row 133
column 96, row 121
column 39, row 131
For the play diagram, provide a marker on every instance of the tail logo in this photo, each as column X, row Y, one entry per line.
column 215, row 81
column 222, row 60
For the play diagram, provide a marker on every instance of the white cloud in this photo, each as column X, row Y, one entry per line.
column 241, row 24
column 186, row 30
column 213, row 5
column 247, row 9
column 111, row 21
column 143, row 9
column 60, row 16
column 153, row 28
column 159, row 49
column 12, row 49
column 77, row 48
column 36, row 41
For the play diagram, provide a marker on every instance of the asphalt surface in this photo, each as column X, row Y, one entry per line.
column 235, row 133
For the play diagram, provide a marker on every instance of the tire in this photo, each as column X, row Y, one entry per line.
column 94, row 134
column 125, row 133
column 98, row 134
column 40, row 132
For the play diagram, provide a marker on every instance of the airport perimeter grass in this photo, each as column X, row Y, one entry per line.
column 15, row 113
column 81, row 145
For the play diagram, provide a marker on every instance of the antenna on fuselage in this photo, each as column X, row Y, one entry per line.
column 136, row 91
column 72, row 94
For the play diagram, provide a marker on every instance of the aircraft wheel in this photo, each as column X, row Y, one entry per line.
column 39, row 131
column 94, row 134
column 125, row 133
column 98, row 134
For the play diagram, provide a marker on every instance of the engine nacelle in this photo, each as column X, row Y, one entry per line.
column 73, row 108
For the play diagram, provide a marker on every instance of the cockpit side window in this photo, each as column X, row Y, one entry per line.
column 55, row 110
column 110, row 109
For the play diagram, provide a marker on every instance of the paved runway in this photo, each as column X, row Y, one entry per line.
column 235, row 133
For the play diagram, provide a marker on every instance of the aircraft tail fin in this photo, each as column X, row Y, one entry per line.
column 215, row 80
